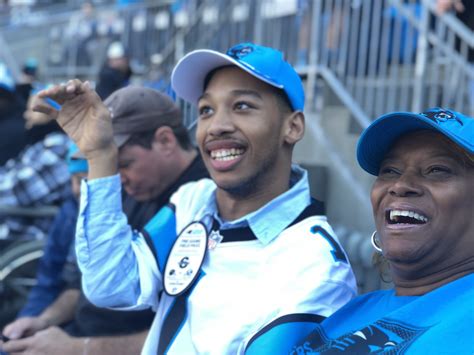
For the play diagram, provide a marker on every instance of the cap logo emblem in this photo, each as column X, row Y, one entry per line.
column 240, row 51
column 441, row 116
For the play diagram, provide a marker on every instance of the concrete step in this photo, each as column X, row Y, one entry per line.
column 346, row 190
column 328, row 149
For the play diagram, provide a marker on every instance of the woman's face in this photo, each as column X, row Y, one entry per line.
column 423, row 205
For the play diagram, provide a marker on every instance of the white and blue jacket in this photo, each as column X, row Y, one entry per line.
column 257, row 293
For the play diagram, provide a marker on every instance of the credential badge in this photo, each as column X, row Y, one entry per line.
column 185, row 259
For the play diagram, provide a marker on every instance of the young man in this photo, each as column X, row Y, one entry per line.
column 239, row 257
column 155, row 157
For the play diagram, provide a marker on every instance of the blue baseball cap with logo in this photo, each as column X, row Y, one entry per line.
column 264, row 63
column 381, row 134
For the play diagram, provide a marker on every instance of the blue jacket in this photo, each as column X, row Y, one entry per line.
column 59, row 243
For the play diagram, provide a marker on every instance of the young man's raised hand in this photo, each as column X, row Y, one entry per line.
column 86, row 120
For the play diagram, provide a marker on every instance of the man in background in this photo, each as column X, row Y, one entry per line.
column 36, row 176
column 156, row 157
column 116, row 71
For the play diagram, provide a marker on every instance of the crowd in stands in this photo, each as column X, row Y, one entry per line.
column 162, row 246
column 33, row 171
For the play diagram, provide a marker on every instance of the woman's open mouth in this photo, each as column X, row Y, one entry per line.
column 405, row 217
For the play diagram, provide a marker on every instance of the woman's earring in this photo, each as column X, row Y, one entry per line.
column 375, row 242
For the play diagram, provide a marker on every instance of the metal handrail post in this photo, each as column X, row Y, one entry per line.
column 313, row 53
column 420, row 63
column 258, row 28
column 10, row 61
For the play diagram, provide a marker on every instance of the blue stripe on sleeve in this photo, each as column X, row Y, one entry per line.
column 161, row 229
column 279, row 336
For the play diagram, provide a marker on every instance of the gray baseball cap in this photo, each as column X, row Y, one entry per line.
column 136, row 109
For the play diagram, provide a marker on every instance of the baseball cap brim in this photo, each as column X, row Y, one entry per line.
column 378, row 138
column 187, row 78
column 120, row 139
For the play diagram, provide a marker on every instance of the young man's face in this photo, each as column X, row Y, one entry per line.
column 240, row 131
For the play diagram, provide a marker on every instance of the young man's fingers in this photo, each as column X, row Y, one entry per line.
column 44, row 107
column 14, row 346
column 57, row 93
column 74, row 86
column 62, row 92
column 16, row 329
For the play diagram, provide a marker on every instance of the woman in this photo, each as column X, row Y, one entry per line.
column 423, row 205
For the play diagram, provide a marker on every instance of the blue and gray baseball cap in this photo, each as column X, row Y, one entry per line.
column 264, row 63
column 377, row 139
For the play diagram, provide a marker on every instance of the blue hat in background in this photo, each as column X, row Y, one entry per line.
column 378, row 138
column 30, row 67
column 31, row 62
column 264, row 63
column 75, row 165
column 6, row 79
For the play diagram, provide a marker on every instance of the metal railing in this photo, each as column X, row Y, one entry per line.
column 377, row 56
column 392, row 55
